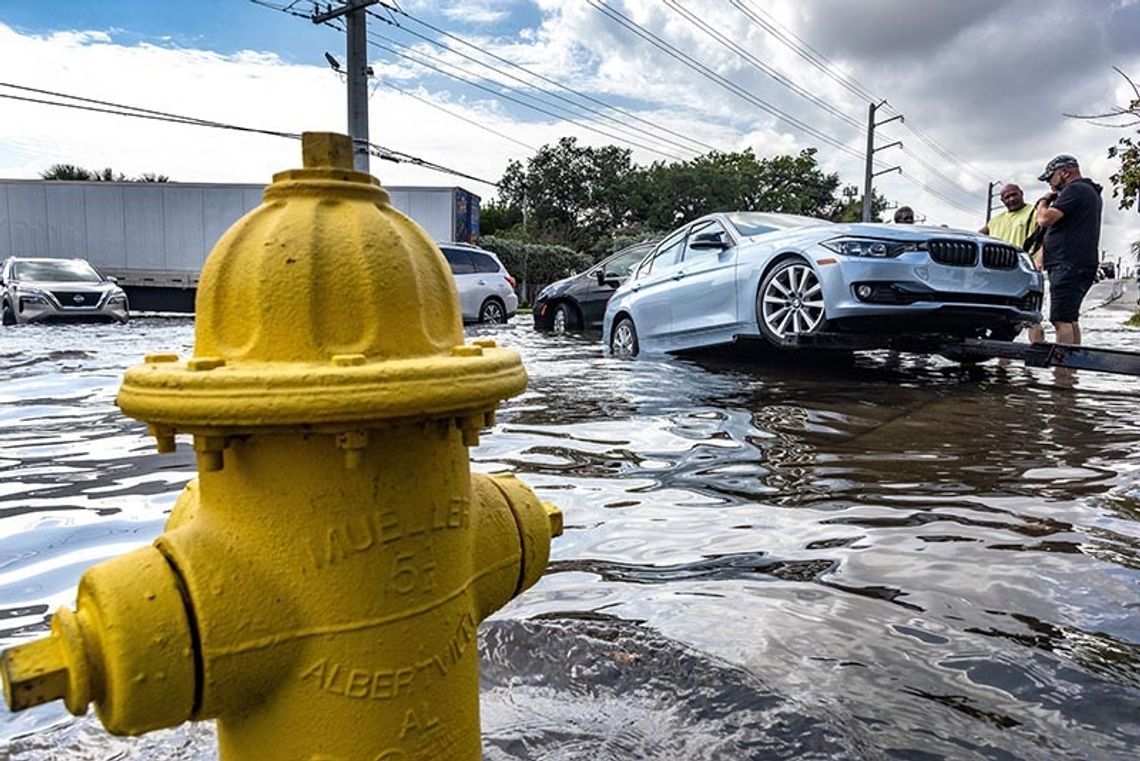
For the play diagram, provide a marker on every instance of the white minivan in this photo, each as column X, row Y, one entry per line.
column 486, row 289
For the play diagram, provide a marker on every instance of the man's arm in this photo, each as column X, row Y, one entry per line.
column 1046, row 214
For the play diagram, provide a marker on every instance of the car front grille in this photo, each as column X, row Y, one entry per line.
column 998, row 257
column 956, row 253
column 76, row 299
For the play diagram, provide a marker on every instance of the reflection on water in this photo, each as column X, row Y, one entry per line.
column 763, row 557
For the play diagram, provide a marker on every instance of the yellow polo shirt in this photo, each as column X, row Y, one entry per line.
column 1014, row 226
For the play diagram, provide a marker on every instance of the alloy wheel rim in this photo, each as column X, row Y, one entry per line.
column 559, row 326
column 492, row 314
column 623, row 341
column 793, row 301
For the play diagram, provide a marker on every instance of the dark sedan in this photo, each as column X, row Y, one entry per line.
column 578, row 302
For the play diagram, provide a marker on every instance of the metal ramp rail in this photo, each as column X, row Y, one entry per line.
column 1042, row 354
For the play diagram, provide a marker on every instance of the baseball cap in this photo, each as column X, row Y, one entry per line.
column 1056, row 163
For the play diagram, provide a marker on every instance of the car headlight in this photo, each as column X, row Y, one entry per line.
column 31, row 294
column 875, row 248
column 117, row 298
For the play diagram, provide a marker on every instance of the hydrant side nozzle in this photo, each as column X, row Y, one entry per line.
column 34, row 673
column 128, row 649
column 538, row 522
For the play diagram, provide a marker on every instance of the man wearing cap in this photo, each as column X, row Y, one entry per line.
column 1070, row 215
column 1015, row 226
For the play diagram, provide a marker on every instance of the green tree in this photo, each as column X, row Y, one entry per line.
column 570, row 193
column 852, row 211
column 497, row 217
column 73, row 172
column 665, row 195
column 1126, row 181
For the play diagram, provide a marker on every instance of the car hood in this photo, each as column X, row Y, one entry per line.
column 66, row 285
column 894, row 232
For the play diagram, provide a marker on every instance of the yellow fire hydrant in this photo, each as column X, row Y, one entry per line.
column 318, row 587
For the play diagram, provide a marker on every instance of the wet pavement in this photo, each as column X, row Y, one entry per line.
column 764, row 557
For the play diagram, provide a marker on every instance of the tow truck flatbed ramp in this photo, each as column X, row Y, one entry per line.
column 1042, row 354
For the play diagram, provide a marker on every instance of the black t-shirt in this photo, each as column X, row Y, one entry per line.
column 1075, row 238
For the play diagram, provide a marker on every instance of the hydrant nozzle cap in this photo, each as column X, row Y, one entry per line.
column 326, row 149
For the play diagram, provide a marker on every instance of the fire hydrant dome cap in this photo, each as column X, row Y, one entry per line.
column 324, row 304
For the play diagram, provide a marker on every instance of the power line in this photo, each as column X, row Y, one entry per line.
column 656, row 127
column 720, row 80
column 824, row 64
column 760, row 65
column 461, row 117
column 137, row 112
column 803, row 49
column 415, row 56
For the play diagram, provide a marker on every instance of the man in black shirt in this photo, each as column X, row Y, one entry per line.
column 1070, row 216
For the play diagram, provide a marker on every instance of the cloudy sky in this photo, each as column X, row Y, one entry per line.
column 984, row 86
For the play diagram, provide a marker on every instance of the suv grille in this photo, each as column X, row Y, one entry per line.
column 76, row 298
column 999, row 257
column 956, row 253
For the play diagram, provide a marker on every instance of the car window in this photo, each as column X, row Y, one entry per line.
column 622, row 264
column 65, row 271
column 483, row 263
column 459, row 261
column 665, row 254
column 708, row 226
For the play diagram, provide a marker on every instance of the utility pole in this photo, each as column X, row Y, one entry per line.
column 990, row 199
column 356, row 53
column 869, row 172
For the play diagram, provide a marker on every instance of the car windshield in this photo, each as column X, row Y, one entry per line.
column 757, row 223
column 61, row 271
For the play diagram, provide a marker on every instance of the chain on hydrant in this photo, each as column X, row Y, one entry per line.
column 318, row 587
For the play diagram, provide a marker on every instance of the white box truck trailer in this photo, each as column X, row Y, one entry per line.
column 154, row 236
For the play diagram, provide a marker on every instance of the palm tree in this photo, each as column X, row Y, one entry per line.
column 73, row 172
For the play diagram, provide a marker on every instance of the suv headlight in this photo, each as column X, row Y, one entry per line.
column 874, row 248
column 31, row 294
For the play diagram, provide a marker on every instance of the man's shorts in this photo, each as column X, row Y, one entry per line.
column 1067, row 288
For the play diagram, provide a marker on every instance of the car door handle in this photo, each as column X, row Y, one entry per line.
column 679, row 275
column 635, row 287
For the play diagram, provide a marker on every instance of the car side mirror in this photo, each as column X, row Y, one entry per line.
column 112, row 279
column 600, row 274
column 708, row 242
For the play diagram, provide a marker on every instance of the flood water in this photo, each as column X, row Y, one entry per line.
column 762, row 559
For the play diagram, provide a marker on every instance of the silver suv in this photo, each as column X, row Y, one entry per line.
column 486, row 289
column 42, row 290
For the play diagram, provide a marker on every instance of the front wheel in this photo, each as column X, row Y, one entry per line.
column 563, row 321
column 492, row 312
column 9, row 317
column 623, row 341
column 790, row 301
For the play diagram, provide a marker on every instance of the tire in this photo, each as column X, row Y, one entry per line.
column 564, row 320
column 492, row 312
column 623, row 341
column 9, row 317
column 790, row 301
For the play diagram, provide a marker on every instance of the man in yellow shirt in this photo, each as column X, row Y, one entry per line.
column 1014, row 226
